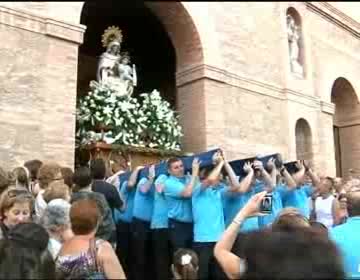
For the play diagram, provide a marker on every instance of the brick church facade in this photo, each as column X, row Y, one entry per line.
column 230, row 79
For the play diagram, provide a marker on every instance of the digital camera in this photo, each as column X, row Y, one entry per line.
column 266, row 204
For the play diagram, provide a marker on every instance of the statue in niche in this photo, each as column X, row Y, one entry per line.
column 113, row 68
column 293, row 32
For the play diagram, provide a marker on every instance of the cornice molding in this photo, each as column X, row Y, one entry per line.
column 335, row 16
column 39, row 24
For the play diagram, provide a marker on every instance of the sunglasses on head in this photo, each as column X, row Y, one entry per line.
column 15, row 193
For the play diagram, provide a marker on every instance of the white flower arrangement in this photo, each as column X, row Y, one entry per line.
column 150, row 123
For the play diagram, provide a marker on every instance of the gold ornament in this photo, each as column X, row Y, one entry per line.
column 112, row 33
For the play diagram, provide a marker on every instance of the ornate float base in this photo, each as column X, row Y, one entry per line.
column 119, row 157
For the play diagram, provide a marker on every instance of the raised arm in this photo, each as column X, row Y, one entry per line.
column 232, row 176
column 187, row 192
column 314, row 178
column 265, row 176
column 133, row 177
column 214, row 174
column 245, row 183
column 145, row 187
column 271, row 165
column 230, row 262
column 299, row 175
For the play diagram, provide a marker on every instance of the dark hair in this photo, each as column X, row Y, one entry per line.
column 18, row 261
column 98, row 169
column 67, row 174
column 84, row 216
column 331, row 180
column 4, row 180
column 81, row 178
column 186, row 271
column 20, row 176
column 33, row 166
column 291, row 255
column 172, row 160
column 353, row 203
column 319, row 227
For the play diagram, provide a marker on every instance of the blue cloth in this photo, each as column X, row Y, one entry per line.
column 278, row 193
column 128, row 195
column 238, row 165
column 159, row 217
column 161, row 167
column 298, row 198
column 346, row 237
column 208, row 212
column 144, row 202
column 233, row 202
column 180, row 208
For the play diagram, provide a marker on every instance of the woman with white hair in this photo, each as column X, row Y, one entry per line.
column 56, row 221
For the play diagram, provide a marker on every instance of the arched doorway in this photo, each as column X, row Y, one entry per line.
column 145, row 39
column 303, row 140
column 346, row 127
column 163, row 42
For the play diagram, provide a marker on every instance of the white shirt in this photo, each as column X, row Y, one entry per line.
column 323, row 208
column 40, row 204
column 54, row 247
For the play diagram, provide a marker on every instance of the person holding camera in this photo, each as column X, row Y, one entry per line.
column 276, row 254
column 273, row 202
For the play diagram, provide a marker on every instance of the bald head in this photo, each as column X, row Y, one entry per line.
column 353, row 203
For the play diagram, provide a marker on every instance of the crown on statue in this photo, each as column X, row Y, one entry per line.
column 111, row 34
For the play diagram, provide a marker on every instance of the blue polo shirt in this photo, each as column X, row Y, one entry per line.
column 279, row 192
column 180, row 208
column 159, row 217
column 347, row 238
column 143, row 202
column 233, row 202
column 208, row 212
column 298, row 198
column 128, row 196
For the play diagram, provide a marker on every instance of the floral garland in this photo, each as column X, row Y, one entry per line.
column 150, row 123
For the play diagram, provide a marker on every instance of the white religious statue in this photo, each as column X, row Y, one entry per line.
column 113, row 69
column 127, row 73
column 293, row 32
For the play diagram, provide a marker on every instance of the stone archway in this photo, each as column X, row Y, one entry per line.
column 303, row 138
column 346, row 125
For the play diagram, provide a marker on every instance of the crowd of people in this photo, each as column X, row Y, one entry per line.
column 270, row 221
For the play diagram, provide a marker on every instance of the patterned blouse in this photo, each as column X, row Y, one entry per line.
column 79, row 266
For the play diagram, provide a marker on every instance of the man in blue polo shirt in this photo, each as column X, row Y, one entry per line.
column 233, row 201
column 277, row 189
column 123, row 222
column 207, row 206
column 347, row 237
column 160, row 231
column 178, row 192
column 298, row 197
column 141, row 233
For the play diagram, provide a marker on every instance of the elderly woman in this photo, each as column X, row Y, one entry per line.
column 16, row 207
column 56, row 221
